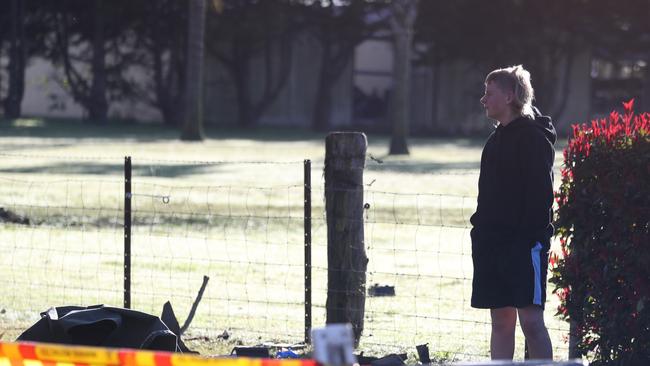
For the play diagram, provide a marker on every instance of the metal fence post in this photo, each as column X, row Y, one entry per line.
column 307, row 218
column 127, row 232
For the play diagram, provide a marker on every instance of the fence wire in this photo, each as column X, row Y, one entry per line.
column 241, row 224
column 419, row 277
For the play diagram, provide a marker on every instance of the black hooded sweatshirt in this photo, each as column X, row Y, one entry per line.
column 516, row 184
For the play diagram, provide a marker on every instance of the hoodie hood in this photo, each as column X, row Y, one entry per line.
column 545, row 124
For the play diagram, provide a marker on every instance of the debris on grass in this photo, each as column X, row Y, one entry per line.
column 10, row 216
column 381, row 290
column 252, row 352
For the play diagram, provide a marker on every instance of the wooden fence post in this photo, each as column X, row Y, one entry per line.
column 345, row 155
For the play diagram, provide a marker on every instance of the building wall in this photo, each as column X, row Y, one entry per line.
column 45, row 96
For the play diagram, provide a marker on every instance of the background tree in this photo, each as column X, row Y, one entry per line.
column 339, row 30
column 21, row 37
column 193, row 124
column 92, row 43
column 98, row 106
column 544, row 36
column 161, row 27
column 402, row 21
column 248, row 29
column 17, row 59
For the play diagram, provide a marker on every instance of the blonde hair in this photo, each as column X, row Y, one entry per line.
column 515, row 79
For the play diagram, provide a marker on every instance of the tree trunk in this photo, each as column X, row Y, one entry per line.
column 161, row 100
column 323, row 105
column 332, row 65
column 250, row 109
column 274, row 85
column 345, row 155
column 98, row 108
column 402, row 22
column 401, row 101
column 176, row 79
column 565, row 86
column 241, row 76
column 322, row 112
column 168, row 97
column 193, row 124
column 435, row 127
column 168, row 61
column 17, row 60
column 75, row 82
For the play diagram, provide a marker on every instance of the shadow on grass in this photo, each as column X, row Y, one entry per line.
column 185, row 169
column 148, row 132
column 117, row 169
column 420, row 167
column 75, row 129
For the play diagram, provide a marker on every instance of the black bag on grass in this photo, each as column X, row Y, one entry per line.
column 104, row 326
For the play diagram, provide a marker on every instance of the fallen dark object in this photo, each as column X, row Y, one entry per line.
column 423, row 353
column 365, row 360
column 169, row 319
column 106, row 327
column 378, row 290
column 253, row 352
column 390, row 360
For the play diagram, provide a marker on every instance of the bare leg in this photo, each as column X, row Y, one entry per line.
column 531, row 319
column 502, row 342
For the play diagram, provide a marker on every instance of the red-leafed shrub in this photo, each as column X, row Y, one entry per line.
column 602, row 275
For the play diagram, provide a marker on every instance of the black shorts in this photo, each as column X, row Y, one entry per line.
column 509, row 274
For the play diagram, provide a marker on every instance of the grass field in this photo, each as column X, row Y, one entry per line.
column 234, row 213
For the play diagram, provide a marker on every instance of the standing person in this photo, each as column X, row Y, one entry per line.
column 512, row 224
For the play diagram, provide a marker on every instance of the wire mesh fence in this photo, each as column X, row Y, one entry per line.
column 242, row 224
column 419, row 272
column 419, row 278
column 246, row 239
column 61, row 236
column 63, row 241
